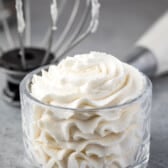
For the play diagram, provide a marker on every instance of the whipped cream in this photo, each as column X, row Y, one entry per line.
column 62, row 138
column 88, row 81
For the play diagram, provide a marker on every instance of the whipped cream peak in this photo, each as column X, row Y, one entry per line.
column 88, row 81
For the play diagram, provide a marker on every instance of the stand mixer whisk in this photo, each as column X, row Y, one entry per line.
column 16, row 62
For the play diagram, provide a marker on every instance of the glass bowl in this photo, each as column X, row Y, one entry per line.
column 107, row 137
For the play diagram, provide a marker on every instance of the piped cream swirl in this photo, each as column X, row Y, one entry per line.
column 88, row 81
column 68, row 139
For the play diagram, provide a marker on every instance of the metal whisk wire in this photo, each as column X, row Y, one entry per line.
column 47, row 34
column 3, row 19
column 68, row 26
column 78, row 34
column 28, row 22
column 70, row 36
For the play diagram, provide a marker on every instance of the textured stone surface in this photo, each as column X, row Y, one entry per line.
column 122, row 22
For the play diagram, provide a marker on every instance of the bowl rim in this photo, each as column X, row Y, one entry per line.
column 25, row 83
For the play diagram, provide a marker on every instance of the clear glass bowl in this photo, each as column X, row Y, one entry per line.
column 111, row 137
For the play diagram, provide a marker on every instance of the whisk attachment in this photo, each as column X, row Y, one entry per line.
column 82, row 19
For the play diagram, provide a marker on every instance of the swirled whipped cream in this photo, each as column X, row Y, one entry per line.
column 62, row 138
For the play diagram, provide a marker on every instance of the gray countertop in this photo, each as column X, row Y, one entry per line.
column 122, row 22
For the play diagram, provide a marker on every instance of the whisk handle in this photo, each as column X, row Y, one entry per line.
column 156, row 41
column 152, row 49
